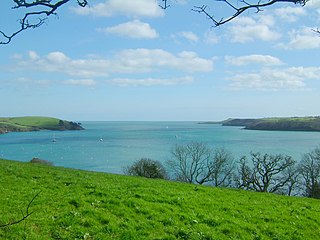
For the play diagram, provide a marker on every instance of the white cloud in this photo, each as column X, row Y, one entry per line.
column 293, row 78
column 33, row 55
column 246, row 29
column 313, row 4
column 211, row 38
column 147, row 82
column 54, row 57
column 125, row 62
column 145, row 8
column 290, row 14
column 80, row 82
column 265, row 60
column 304, row 38
column 132, row 29
column 146, row 60
column 189, row 36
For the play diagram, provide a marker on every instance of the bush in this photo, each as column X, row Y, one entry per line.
column 148, row 168
column 41, row 161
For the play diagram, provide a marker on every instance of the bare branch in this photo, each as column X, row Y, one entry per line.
column 164, row 4
column 239, row 10
column 38, row 8
column 25, row 216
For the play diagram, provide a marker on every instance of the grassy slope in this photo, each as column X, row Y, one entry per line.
column 77, row 204
column 42, row 122
column 30, row 123
column 284, row 124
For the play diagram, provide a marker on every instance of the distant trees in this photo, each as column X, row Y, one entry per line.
column 146, row 167
column 267, row 173
column 309, row 168
column 191, row 163
column 198, row 163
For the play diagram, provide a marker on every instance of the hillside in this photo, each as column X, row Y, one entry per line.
column 25, row 124
column 76, row 204
column 275, row 124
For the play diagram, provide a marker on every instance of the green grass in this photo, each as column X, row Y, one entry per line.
column 76, row 204
column 41, row 122
column 19, row 124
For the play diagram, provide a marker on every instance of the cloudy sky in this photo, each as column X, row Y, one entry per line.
column 132, row 60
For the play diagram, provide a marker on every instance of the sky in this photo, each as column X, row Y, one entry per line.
column 119, row 60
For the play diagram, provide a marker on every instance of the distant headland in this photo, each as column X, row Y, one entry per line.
column 274, row 124
column 27, row 124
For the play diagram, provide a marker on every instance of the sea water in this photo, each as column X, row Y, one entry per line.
column 110, row 146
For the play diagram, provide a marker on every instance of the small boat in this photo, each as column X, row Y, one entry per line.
column 54, row 140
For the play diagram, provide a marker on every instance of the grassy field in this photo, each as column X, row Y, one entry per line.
column 43, row 122
column 76, row 204
column 277, row 124
column 19, row 124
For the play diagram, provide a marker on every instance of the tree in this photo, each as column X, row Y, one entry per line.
column 191, row 163
column 309, row 168
column 38, row 11
column 222, row 168
column 267, row 173
column 146, row 167
column 197, row 163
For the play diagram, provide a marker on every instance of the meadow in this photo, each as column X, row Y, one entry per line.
column 76, row 204
column 34, row 123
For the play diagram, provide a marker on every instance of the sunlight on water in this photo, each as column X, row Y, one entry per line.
column 109, row 146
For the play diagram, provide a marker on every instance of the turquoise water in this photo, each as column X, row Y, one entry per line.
column 110, row 146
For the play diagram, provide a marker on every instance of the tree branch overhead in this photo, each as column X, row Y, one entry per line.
column 37, row 14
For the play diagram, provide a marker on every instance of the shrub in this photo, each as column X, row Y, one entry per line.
column 148, row 168
column 41, row 161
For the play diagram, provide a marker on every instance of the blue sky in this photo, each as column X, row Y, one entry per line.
column 131, row 60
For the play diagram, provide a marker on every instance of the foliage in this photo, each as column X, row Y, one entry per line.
column 267, row 173
column 148, row 168
column 309, row 168
column 41, row 161
column 76, row 204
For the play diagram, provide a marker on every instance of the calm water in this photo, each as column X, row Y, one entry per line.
column 109, row 146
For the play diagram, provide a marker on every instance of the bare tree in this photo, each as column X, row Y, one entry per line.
column 198, row 163
column 191, row 163
column 222, row 168
column 267, row 173
column 310, row 170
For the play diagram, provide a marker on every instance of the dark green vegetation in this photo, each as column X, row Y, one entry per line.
column 26, row 124
column 76, row 204
column 276, row 124
column 146, row 167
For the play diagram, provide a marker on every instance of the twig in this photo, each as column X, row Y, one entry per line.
column 25, row 216
column 239, row 10
column 47, row 9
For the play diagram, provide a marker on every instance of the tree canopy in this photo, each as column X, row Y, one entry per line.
column 37, row 12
